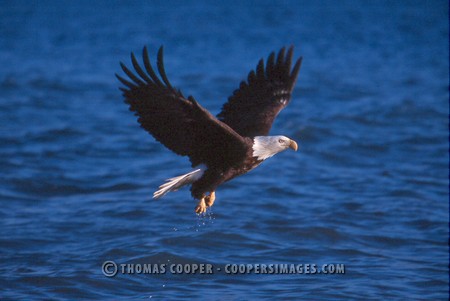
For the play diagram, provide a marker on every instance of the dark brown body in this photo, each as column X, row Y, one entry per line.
column 214, row 177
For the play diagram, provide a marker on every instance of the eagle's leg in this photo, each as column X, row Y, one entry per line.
column 209, row 200
column 201, row 206
column 205, row 202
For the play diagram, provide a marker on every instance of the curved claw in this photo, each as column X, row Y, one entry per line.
column 201, row 206
column 205, row 203
column 209, row 200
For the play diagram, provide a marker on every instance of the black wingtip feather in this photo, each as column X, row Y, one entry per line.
column 139, row 69
column 260, row 69
column 271, row 60
column 280, row 57
column 251, row 76
column 125, row 82
column 148, row 67
column 270, row 63
column 160, row 64
column 130, row 74
column 289, row 57
column 296, row 70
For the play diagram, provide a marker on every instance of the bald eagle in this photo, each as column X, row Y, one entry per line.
column 219, row 148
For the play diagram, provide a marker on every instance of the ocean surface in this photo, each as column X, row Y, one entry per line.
column 367, row 189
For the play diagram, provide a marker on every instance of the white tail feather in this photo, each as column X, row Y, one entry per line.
column 175, row 183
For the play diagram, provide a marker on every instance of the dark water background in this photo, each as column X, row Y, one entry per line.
column 368, row 187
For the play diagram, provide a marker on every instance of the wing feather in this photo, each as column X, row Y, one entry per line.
column 252, row 108
column 139, row 69
column 162, row 72
column 149, row 68
column 179, row 123
column 130, row 74
column 125, row 82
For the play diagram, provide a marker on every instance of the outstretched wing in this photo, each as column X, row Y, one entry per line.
column 179, row 123
column 252, row 108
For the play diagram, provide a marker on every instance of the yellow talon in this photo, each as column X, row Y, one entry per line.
column 209, row 200
column 201, row 206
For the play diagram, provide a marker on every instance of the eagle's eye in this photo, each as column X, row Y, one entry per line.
column 280, row 141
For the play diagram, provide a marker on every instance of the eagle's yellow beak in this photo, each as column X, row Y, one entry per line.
column 293, row 145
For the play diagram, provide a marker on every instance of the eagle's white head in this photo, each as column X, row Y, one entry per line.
column 266, row 146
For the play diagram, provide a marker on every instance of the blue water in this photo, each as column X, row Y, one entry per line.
column 367, row 189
